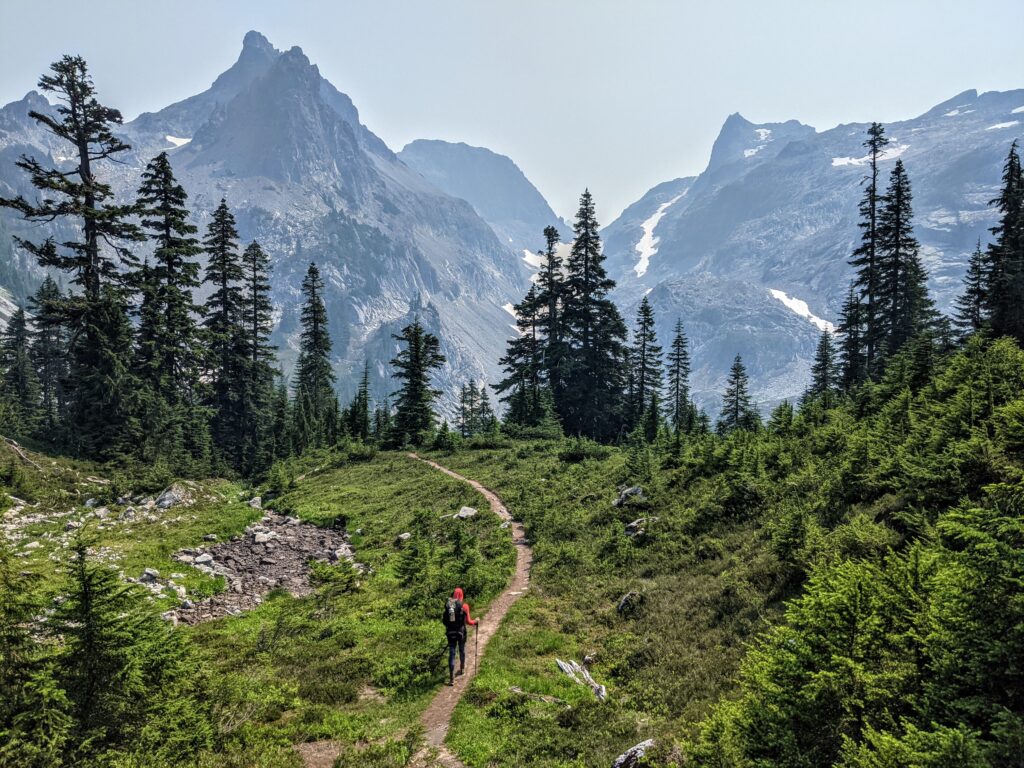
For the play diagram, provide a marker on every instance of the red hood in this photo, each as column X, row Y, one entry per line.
column 457, row 594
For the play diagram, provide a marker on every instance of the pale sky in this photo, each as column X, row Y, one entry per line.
column 614, row 96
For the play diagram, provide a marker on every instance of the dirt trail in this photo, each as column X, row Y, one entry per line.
column 437, row 716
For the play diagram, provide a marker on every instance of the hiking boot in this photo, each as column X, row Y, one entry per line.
column 460, row 672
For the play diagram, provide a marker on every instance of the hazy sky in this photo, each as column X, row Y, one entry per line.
column 617, row 96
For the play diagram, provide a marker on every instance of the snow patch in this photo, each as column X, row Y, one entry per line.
column 997, row 126
column 1017, row 111
column 752, row 152
column 890, row 153
column 799, row 306
column 648, row 245
column 177, row 140
column 764, row 136
column 510, row 308
column 952, row 113
column 763, row 133
column 535, row 260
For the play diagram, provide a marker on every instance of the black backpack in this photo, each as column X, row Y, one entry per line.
column 453, row 617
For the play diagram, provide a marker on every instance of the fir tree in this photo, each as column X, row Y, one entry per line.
column 314, row 377
column 679, row 381
column 971, row 305
column 524, row 364
column 414, row 407
column 358, row 414
column 18, row 381
column 594, row 373
column 100, row 388
column 48, row 349
column 1004, row 295
column 737, row 410
column 824, row 374
column 256, row 390
column 852, row 360
column 548, row 303
column 865, row 256
column 645, row 362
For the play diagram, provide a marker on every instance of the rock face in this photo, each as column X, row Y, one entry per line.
column 273, row 553
column 632, row 756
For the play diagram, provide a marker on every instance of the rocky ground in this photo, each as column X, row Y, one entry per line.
column 273, row 553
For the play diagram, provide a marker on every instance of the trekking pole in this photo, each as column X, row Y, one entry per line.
column 476, row 648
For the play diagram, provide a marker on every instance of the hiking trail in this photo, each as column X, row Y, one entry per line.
column 437, row 716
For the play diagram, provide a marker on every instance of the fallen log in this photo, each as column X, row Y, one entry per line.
column 581, row 676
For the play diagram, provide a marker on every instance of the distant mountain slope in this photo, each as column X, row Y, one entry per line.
column 776, row 210
column 493, row 184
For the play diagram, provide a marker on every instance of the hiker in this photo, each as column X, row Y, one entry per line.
column 456, row 617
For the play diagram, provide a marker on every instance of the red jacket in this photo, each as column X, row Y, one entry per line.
column 457, row 594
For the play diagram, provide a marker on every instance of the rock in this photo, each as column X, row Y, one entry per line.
column 506, row 524
column 630, row 604
column 91, row 503
column 632, row 756
column 178, row 576
column 344, row 553
column 210, row 537
column 186, row 604
column 203, row 559
column 173, row 496
column 263, row 538
column 639, row 526
column 149, row 575
column 32, row 545
column 359, row 531
column 465, row 513
column 256, row 502
column 403, row 537
column 625, row 494
column 122, row 500
column 171, row 616
column 72, row 525
column 128, row 514
column 185, row 558
column 101, row 513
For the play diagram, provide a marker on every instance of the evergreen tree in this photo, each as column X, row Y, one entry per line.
column 679, row 381
column 645, row 362
column 737, row 410
column 18, row 381
column 414, row 408
column 486, row 421
column 256, row 390
column 524, row 364
column 594, row 373
column 1004, row 295
column 358, row 414
column 281, row 429
column 865, row 256
column 314, row 377
column 824, row 374
column 971, row 305
column 222, row 323
column 904, row 307
column 548, row 303
column 852, row 360
column 48, row 349
column 100, row 387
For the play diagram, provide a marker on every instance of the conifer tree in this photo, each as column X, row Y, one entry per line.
column 281, row 429
column 1004, row 296
column 18, row 381
column 414, row 416
column 645, row 362
column 314, row 377
column 524, row 363
column 971, row 305
column 737, row 410
column 865, row 256
column 904, row 307
column 486, row 421
column 592, row 403
column 48, row 349
column 358, row 414
column 256, row 390
column 100, row 387
column 222, row 323
column 824, row 374
column 679, row 411
column 549, row 305
column 852, row 361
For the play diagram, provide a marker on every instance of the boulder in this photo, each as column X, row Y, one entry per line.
column 263, row 538
column 465, row 513
column 210, row 537
column 632, row 756
column 403, row 537
column 128, row 514
column 256, row 502
column 173, row 496
column 149, row 575
column 71, row 525
column 204, row 559
column 630, row 604
column 639, row 526
column 632, row 492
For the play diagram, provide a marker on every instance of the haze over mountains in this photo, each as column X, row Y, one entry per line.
column 751, row 254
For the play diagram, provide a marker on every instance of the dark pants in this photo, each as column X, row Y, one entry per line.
column 459, row 641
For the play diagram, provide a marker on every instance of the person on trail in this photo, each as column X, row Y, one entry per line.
column 455, row 618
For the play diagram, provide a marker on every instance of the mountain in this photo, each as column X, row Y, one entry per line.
column 311, row 183
column 775, row 212
column 494, row 185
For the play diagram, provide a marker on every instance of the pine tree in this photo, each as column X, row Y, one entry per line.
column 414, row 408
column 549, row 301
column 852, row 360
column 824, row 374
column 971, row 305
column 737, row 410
column 1004, row 295
column 256, row 390
column 865, row 256
column 645, row 362
column 49, row 348
column 100, row 386
column 314, row 377
column 281, row 429
column 594, row 373
column 19, row 384
column 358, row 414
column 679, row 381
column 222, row 323
column 524, row 364
column 486, row 421
column 904, row 307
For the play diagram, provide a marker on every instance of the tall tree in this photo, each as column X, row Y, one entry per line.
column 256, row 391
column 679, row 410
column 100, row 385
column 49, row 349
column 19, row 384
column 904, row 307
column 314, row 376
column 548, row 304
column 972, row 304
column 737, row 409
column 358, row 415
column 852, row 360
column 524, row 364
column 645, row 361
column 593, row 365
column 1005, row 291
column 824, row 374
column 865, row 256
column 420, row 354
